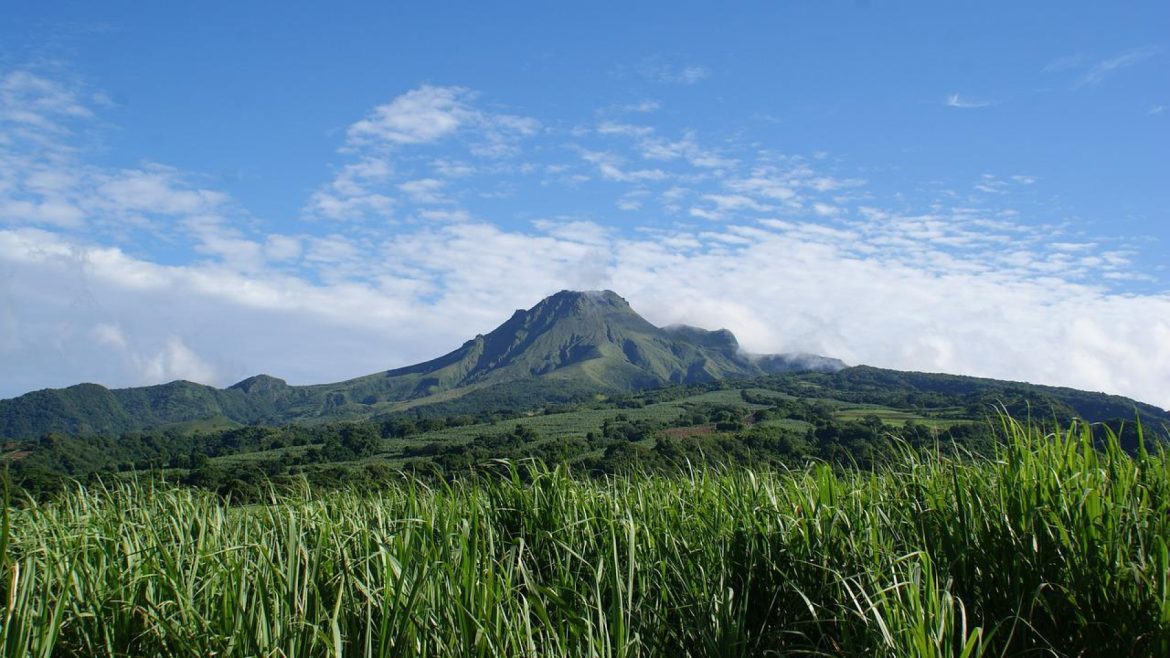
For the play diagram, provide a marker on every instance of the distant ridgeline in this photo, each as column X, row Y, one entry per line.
column 570, row 347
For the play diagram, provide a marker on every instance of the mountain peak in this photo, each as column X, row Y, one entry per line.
column 258, row 383
column 587, row 305
column 570, row 345
column 584, row 297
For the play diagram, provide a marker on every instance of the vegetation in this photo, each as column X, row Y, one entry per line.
column 538, row 493
column 761, row 423
column 568, row 347
column 1055, row 546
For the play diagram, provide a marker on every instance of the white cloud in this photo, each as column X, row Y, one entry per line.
column 366, row 188
column 458, row 215
column 418, row 116
column 109, row 334
column 641, row 107
column 430, row 113
column 783, row 286
column 425, row 191
column 764, row 185
column 282, row 248
column 632, row 200
column 611, row 167
column 155, row 189
column 825, row 209
column 170, row 361
column 174, row 360
column 356, row 177
column 722, row 205
column 804, row 259
column 954, row 100
column 54, row 212
column 628, row 130
column 332, row 206
column 33, row 107
column 657, row 70
column 1106, row 67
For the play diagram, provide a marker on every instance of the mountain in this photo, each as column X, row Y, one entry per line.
column 569, row 346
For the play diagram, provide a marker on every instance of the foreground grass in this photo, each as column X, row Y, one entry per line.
column 1053, row 548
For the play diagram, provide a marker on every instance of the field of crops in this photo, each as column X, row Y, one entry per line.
column 1052, row 548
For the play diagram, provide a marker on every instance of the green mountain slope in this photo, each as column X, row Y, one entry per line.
column 978, row 394
column 570, row 345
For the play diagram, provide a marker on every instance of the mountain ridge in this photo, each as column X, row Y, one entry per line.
column 569, row 344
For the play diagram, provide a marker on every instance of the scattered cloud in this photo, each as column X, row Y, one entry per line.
column 142, row 274
column 383, row 144
column 720, row 206
column 612, row 168
column 1157, row 109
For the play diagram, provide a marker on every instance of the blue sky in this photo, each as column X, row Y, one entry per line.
column 214, row 190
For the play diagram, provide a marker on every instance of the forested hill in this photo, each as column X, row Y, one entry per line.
column 569, row 346
column 973, row 395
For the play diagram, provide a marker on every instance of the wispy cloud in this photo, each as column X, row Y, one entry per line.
column 33, row 106
column 640, row 107
column 1065, row 63
column 612, row 167
column 426, row 191
column 956, row 101
column 1104, row 68
column 658, row 69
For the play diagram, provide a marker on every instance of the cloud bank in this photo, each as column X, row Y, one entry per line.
column 137, row 276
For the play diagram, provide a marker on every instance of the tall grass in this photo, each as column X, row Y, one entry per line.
column 1052, row 548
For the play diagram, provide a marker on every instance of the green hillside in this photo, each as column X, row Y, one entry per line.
column 573, row 348
column 783, row 420
column 569, row 346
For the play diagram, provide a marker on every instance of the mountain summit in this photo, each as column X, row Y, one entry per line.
column 593, row 336
column 571, row 344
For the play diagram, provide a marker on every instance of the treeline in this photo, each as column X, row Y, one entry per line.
column 973, row 397
column 381, row 449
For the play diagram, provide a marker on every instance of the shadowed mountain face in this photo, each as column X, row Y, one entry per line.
column 569, row 345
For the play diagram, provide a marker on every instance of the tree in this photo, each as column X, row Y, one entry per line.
column 360, row 440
